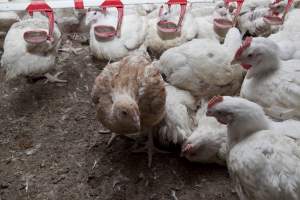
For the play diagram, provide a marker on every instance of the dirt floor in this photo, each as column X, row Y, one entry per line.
column 51, row 148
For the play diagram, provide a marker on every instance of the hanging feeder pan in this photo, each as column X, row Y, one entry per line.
column 104, row 33
column 35, row 37
column 273, row 20
column 167, row 30
column 222, row 26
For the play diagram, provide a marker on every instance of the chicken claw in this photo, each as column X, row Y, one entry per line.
column 54, row 78
column 150, row 149
column 111, row 139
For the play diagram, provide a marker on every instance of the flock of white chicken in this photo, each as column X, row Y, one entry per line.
column 248, row 52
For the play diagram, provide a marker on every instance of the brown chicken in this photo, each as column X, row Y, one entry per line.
column 130, row 97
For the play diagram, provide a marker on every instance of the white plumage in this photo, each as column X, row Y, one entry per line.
column 67, row 19
column 289, row 36
column 263, row 162
column 179, row 121
column 271, row 82
column 19, row 59
column 158, row 45
column 133, row 31
column 208, row 142
column 6, row 20
column 202, row 66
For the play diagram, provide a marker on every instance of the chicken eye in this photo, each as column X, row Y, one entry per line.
column 250, row 55
column 124, row 113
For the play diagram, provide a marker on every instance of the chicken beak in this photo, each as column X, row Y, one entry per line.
column 234, row 61
column 209, row 113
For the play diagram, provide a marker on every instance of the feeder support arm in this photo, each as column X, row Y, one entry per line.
column 41, row 6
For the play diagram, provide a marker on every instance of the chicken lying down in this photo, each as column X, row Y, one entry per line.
column 263, row 163
column 132, row 34
column 202, row 66
column 157, row 44
column 130, row 97
column 270, row 82
column 32, row 61
column 179, row 121
column 208, row 142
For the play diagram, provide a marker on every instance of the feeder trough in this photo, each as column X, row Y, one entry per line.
column 222, row 26
column 167, row 30
column 273, row 20
column 104, row 33
column 35, row 37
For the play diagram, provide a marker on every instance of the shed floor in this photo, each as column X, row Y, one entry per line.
column 50, row 147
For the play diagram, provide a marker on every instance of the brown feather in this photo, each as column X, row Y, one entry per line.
column 137, row 78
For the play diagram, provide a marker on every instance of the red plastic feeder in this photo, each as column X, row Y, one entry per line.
column 275, row 19
column 40, row 36
column 105, row 32
column 35, row 37
column 167, row 29
column 222, row 25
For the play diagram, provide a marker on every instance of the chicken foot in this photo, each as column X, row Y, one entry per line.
column 149, row 148
column 54, row 78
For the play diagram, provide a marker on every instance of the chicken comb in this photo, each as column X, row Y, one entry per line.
column 245, row 45
column 213, row 101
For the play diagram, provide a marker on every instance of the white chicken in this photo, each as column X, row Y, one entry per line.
column 202, row 66
column 21, row 58
column 271, row 82
column 208, row 142
column 263, row 163
column 204, row 16
column 178, row 123
column 288, row 37
column 158, row 43
column 6, row 20
column 132, row 34
column 67, row 19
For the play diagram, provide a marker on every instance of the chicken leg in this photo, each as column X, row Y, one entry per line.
column 54, row 78
column 149, row 148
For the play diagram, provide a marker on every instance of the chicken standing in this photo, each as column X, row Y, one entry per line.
column 288, row 37
column 132, row 34
column 270, row 82
column 202, row 66
column 263, row 163
column 130, row 97
column 6, row 20
column 158, row 44
column 21, row 58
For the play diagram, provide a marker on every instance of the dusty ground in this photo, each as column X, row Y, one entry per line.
column 50, row 148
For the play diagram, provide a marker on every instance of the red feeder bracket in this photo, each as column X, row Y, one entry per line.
column 38, row 36
column 170, row 27
column 109, row 32
column 78, row 4
column 274, row 19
